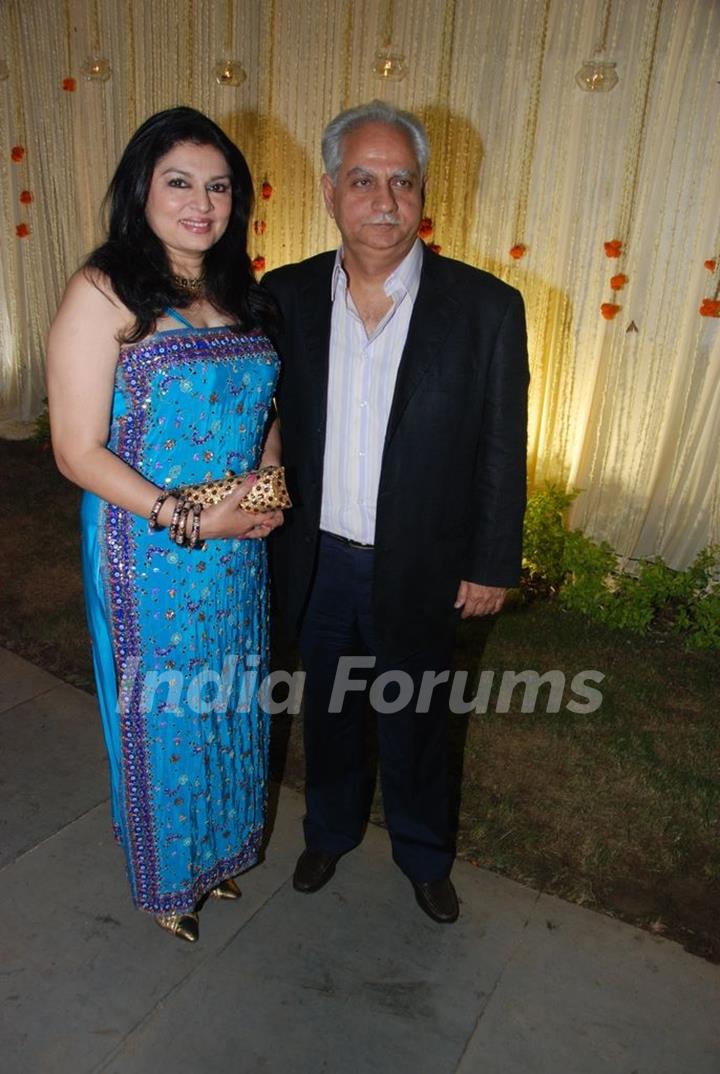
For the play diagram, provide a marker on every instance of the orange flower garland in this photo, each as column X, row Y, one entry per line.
column 435, row 248
column 710, row 307
column 518, row 250
column 22, row 231
column 69, row 85
column 425, row 229
column 710, row 264
column 260, row 225
column 25, row 197
column 17, row 153
column 609, row 310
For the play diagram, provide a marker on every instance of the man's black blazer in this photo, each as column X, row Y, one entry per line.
column 452, row 486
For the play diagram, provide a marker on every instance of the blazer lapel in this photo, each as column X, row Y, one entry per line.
column 315, row 346
column 430, row 323
column 432, row 316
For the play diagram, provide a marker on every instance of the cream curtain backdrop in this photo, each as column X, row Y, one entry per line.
column 626, row 409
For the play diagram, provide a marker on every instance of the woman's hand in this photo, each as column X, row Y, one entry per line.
column 227, row 519
column 272, row 520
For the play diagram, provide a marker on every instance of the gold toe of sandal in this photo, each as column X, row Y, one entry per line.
column 226, row 889
column 184, row 926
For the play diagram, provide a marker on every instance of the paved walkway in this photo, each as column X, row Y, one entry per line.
column 351, row 980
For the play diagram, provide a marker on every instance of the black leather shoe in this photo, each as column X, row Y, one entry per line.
column 313, row 870
column 439, row 900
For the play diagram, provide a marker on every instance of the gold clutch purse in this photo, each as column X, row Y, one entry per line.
column 269, row 493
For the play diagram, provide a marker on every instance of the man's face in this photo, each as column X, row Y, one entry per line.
column 377, row 197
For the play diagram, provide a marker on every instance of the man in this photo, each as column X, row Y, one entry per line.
column 402, row 407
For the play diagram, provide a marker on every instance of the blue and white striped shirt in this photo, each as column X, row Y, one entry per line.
column 362, row 373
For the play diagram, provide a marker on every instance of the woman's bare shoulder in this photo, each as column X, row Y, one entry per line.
column 91, row 285
column 89, row 294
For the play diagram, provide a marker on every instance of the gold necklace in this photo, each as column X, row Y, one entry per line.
column 194, row 285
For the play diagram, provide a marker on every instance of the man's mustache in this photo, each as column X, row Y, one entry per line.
column 385, row 219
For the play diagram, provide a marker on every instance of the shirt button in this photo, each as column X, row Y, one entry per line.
column 363, row 403
column 361, row 454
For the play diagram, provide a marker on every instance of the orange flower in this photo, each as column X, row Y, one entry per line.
column 22, row 231
column 435, row 248
column 618, row 282
column 17, row 153
column 613, row 248
column 711, row 264
column 25, row 197
column 710, row 307
column 518, row 250
column 426, row 227
column 609, row 310
column 260, row 227
column 258, row 264
column 69, row 85
column 266, row 190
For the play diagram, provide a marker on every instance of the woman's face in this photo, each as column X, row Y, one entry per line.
column 189, row 202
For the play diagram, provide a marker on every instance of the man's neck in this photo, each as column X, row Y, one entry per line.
column 370, row 270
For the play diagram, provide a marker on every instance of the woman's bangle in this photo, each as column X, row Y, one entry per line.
column 155, row 511
column 195, row 532
column 181, row 535
column 175, row 520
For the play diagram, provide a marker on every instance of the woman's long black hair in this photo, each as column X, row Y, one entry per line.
column 135, row 260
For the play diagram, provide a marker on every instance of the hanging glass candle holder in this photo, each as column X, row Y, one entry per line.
column 597, row 76
column 96, row 69
column 229, row 73
column 390, row 65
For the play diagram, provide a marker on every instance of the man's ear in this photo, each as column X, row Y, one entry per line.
column 328, row 193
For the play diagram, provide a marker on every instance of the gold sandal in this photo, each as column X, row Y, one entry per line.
column 226, row 889
column 184, row 926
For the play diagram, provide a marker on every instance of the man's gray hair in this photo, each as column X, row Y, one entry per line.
column 374, row 112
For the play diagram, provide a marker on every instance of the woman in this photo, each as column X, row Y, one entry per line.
column 143, row 399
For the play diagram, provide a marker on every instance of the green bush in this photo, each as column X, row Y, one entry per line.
column 586, row 577
column 42, row 426
column 545, row 532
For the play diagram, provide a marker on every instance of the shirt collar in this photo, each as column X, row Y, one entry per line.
column 405, row 279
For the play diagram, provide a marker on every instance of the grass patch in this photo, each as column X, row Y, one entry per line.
column 616, row 809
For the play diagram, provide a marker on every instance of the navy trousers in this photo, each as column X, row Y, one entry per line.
column 412, row 745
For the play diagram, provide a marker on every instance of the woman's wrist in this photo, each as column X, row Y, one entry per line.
column 183, row 520
column 166, row 512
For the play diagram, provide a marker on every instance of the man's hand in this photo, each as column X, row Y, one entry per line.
column 479, row 599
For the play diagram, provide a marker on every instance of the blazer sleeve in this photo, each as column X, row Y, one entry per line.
column 499, row 490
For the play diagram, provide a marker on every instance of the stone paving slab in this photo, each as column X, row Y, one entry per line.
column 584, row 994
column 80, row 967
column 352, row 979
column 53, row 766
column 21, row 680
